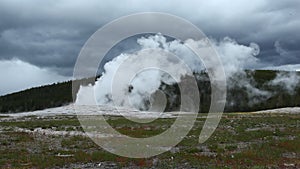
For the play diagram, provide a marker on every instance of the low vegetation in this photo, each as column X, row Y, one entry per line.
column 242, row 140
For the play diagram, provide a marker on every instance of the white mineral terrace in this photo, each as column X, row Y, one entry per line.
column 104, row 110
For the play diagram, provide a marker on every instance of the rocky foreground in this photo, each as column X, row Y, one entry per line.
column 54, row 138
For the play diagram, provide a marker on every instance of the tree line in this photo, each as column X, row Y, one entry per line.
column 59, row 94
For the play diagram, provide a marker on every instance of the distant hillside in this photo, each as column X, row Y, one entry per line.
column 38, row 98
column 238, row 99
column 264, row 94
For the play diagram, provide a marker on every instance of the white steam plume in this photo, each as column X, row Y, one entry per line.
column 287, row 80
column 235, row 58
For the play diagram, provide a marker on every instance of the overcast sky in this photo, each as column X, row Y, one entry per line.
column 40, row 40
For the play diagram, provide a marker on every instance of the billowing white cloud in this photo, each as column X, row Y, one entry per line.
column 287, row 80
column 235, row 58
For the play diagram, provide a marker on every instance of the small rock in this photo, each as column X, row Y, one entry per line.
column 289, row 165
column 174, row 150
column 289, row 155
column 155, row 161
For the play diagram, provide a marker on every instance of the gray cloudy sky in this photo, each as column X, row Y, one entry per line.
column 48, row 35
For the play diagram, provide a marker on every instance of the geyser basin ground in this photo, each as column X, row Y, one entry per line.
column 54, row 138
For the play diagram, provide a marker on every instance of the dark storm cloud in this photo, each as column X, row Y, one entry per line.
column 50, row 34
column 42, row 46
